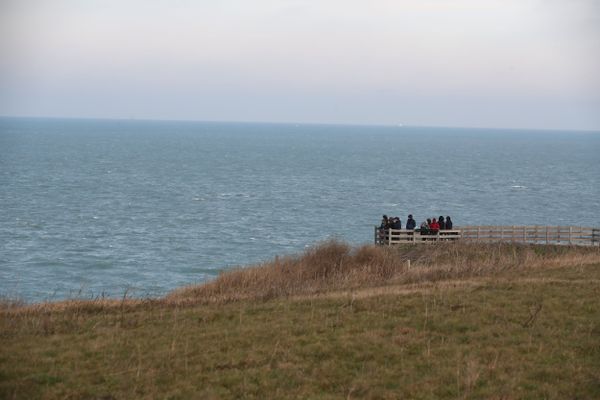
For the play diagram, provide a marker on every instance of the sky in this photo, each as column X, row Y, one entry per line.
column 468, row 63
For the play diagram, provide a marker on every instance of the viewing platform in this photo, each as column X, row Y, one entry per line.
column 569, row 235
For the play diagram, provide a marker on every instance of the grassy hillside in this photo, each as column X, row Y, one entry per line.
column 464, row 321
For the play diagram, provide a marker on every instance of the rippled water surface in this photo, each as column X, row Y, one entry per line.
column 100, row 207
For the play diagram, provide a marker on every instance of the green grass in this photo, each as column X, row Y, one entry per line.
column 530, row 333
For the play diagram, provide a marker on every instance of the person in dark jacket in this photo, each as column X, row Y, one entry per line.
column 396, row 224
column 448, row 223
column 442, row 223
column 384, row 222
column 410, row 223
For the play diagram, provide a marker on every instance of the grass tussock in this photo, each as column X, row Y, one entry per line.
column 334, row 265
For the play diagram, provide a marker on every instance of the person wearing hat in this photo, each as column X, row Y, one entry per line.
column 410, row 223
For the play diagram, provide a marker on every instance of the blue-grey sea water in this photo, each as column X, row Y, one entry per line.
column 91, row 208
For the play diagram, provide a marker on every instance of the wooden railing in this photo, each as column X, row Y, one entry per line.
column 574, row 235
column 395, row 236
column 533, row 234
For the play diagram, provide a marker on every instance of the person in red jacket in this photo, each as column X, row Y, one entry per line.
column 434, row 226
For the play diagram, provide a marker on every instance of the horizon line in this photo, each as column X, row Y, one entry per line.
column 349, row 124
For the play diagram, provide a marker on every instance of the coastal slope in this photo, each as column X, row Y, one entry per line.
column 472, row 321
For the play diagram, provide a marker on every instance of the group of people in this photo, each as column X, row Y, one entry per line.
column 429, row 226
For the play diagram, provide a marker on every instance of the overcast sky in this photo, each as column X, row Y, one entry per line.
column 479, row 63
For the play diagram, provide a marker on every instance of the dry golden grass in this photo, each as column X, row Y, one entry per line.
column 336, row 266
column 333, row 266
column 465, row 321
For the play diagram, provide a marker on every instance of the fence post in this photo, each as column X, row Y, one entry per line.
column 570, row 235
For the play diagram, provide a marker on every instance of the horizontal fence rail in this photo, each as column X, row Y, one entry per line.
column 394, row 236
column 574, row 235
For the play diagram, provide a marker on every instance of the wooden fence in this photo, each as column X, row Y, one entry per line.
column 395, row 236
column 533, row 234
column 573, row 235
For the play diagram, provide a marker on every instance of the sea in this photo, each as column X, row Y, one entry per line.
column 112, row 208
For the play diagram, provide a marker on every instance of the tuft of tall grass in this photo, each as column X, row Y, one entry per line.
column 335, row 265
